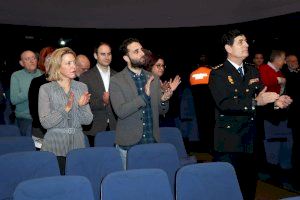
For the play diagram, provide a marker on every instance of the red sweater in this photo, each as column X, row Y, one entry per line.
column 269, row 78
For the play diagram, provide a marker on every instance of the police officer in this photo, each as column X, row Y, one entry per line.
column 237, row 90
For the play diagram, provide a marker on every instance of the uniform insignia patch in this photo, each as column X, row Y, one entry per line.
column 230, row 80
column 217, row 67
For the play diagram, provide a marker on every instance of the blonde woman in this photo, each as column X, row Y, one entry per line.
column 63, row 106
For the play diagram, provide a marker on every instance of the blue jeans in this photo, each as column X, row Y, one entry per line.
column 123, row 154
column 25, row 126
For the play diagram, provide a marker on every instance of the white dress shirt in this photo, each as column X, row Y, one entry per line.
column 105, row 76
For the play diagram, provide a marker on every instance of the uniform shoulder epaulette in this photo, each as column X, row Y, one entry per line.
column 218, row 66
column 246, row 63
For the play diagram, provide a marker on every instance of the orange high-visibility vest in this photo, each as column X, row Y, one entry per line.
column 200, row 76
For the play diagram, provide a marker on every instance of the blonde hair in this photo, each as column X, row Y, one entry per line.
column 55, row 63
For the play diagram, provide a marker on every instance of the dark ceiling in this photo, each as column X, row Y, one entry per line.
column 140, row 13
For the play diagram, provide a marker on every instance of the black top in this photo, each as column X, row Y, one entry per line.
column 33, row 98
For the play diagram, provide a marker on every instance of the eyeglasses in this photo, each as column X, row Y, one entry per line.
column 161, row 66
column 30, row 59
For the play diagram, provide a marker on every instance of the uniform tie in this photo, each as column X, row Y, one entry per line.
column 240, row 70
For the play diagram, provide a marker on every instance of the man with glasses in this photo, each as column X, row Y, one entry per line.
column 19, row 86
column 137, row 100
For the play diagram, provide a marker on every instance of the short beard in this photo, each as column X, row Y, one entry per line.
column 137, row 63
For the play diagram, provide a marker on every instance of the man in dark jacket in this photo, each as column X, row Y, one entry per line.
column 237, row 90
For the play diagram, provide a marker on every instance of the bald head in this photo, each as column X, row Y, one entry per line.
column 28, row 60
column 82, row 64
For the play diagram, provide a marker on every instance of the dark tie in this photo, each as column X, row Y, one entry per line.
column 240, row 70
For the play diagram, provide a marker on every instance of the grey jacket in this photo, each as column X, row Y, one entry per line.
column 64, row 131
column 127, row 105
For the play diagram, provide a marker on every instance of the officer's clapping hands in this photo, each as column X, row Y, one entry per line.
column 283, row 101
column 263, row 98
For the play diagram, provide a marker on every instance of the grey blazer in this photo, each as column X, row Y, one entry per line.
column 127, row 105
column 64, row 131
column 94, row 82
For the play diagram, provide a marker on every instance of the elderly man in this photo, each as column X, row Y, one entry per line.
column 19, row 86
column 271, row 74
column 82, row 64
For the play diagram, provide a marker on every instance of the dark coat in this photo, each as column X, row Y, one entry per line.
column 92, row 78
column 292, row 89
column 235, row 109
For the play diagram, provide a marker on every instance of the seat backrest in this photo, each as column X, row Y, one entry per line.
column 173, row 136
column 105, row 139
column 9, row 130
column 94, row 163
column 150, row 184
column 160, row 155
column 292, row 198
column 21, row 166
column 16, row 144
column 214, row 181
column 56, row 187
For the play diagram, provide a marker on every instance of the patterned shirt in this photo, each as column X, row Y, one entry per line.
column 140, row 81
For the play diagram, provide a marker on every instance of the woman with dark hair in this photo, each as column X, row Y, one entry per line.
column 38, row 131
column 156, row 65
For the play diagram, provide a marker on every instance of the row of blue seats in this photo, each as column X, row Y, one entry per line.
column 151, row 184
column 170, row 135
column 192, row 182
column 198, row 181
column 93, row 163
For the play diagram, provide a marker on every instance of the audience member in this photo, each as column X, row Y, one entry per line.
column 63, row 106
column 292, row 74
column 203, row 101
column 38, row 131
column 82, row 64
column 156, row 65
column 19, row 86
column 42, row 57
column 234, row 87
column 98, row 79
column 258, row 59
column 200, row 76
column 270, row 73
column 137, row 100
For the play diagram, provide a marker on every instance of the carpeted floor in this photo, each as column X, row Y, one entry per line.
column 266, row 191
